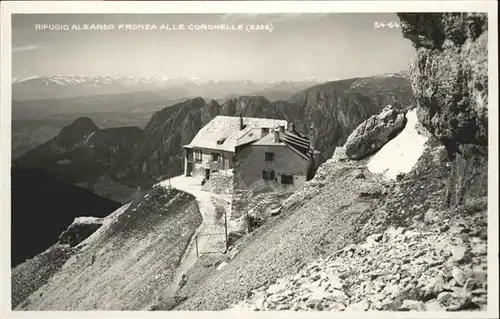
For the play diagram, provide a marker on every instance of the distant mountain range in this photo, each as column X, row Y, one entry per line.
column 131, row 156
column 65, row 86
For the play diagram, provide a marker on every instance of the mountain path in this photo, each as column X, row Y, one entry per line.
column 192, row 185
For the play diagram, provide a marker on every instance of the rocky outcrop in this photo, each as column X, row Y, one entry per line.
column 374, row 133
column 449, row 74
column 79, row 230
column 449, row 77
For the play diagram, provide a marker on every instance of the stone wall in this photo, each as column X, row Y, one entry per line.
column 220, row 183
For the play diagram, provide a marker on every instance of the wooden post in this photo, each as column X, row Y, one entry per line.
column 249, row 224
column 225, row 228
column 196, row 240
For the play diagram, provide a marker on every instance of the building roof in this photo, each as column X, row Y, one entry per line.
column 224, row 133
column 268, row 140
column 250, row 135
column 294, row 140
column 226, row 130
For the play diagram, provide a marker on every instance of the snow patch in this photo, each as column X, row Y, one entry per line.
column 401, row 153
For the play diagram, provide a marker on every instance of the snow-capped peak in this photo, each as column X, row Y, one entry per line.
column 153, row 80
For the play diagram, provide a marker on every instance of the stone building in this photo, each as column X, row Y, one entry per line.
column 261, row 152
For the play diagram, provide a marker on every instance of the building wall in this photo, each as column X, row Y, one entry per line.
column 250, row 162
column 206, row 155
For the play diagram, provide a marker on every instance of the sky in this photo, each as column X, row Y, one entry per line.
column 323, row 45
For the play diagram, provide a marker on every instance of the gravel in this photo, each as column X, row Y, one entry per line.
column 407, row 269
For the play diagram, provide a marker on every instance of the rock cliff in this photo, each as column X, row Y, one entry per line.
column 449, row 77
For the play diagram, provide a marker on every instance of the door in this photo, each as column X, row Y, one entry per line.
column 189, row 154
column 189, row 169
column 207, row 173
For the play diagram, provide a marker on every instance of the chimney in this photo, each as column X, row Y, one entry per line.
column 264, row 131
column 241, row 122
column 276, row 136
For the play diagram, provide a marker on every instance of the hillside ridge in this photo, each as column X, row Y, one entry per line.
column 325, row 115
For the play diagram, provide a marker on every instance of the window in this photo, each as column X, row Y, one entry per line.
column 269, row 157
column 268, row 174
column 221, row 141
column 286, row 179
column 197, row 155
column 215, row 157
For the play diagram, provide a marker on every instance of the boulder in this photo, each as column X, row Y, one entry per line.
column 79, row 230
column 412, row 305
column 374, row 133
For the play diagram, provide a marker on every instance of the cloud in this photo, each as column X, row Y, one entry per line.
column 30, row 47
